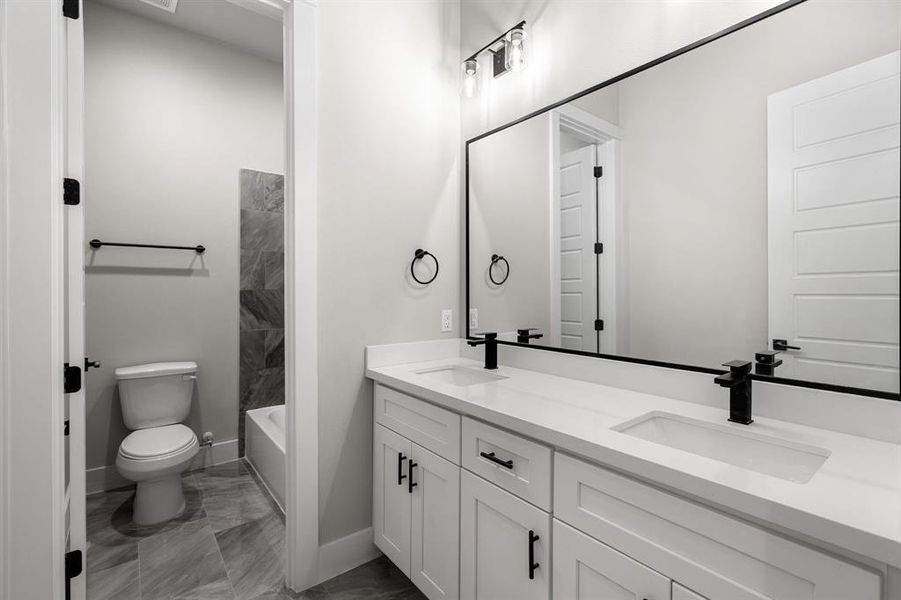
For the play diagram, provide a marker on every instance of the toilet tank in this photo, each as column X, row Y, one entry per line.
column 156, row 394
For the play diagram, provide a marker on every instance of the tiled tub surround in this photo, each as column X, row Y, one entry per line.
column 262, row 336
column 850, row 505
column 229, row 544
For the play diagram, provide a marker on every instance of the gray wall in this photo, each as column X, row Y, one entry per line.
column 171, row 118
column 262, row 342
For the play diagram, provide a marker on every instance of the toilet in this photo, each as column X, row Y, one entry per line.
column 155, row 399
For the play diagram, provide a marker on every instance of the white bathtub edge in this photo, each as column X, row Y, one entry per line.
column 264, row 449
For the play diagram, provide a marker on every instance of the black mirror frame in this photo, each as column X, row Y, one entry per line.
column 676, row 53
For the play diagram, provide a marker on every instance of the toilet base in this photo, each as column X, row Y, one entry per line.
column 159, row 500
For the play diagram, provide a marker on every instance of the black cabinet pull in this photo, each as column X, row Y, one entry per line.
column 400, row 468
column 410, row 484
column 533, row 537
column 508, row 464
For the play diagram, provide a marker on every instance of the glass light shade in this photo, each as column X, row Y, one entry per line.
column 472, row 80
column 515, row 50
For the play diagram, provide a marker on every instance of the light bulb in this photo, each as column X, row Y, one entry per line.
column 515, row 50
column 471, row 80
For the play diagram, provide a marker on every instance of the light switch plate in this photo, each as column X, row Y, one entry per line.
column 473, row 319
column 447, row 320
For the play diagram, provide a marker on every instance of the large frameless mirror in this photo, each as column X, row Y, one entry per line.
column 736, row 200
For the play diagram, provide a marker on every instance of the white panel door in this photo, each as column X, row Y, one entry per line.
column 833, row 169
column 495, row 543
column 435, row 554
column 586, row 569
column 578, row 221
column 391, row 496
column 74, row 327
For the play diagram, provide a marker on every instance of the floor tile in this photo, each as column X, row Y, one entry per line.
column 377, row 579
column 254, row 556
column 120, row 582
column 314, row 593
column 217, row 590
column 231, row 496
column 179, row 561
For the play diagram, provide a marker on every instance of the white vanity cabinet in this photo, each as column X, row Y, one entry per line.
column 416, row 493
column 520, row 515
column 504, row 544
column 586, row 569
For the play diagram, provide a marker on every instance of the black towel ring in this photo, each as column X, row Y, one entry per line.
column 418, row 255
column 495, row 258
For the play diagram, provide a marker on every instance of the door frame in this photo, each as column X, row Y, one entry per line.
column 607, row 137
column 32, row 63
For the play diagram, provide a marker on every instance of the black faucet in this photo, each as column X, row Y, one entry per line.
column 738, row 380
column 524, row 335
column 765, row 362
column 490, row 341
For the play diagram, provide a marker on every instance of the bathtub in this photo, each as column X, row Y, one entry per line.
column 264, row 448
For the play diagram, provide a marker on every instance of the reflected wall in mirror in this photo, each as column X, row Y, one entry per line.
column 738, row 198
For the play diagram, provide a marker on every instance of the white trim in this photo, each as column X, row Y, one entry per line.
column 5, row 538
column 344, row 554
column 272, row 9
column 301, row 299
column 608, row 138
column 102, row 479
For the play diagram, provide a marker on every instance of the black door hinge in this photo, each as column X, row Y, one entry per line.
column 71, row 192
column 71, row 378
column 66, row 427
column 598, row 248
column 74, row 566
column 599, row 324
column 599, row 172
column 70, row 9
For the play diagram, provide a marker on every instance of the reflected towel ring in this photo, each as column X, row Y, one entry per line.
column 495, row 258
column 418, row 255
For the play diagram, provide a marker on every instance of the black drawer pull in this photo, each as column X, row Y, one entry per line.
column 508, row 464
column 400, row 468
column 532, row 564
column 410, row 484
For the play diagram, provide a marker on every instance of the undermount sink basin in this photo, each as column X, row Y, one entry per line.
column 764, row 454
column 461, row 376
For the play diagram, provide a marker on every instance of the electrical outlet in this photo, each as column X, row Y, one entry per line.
column 473, row 319
column 447, row 320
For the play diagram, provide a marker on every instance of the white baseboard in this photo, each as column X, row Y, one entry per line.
column 101, row 479
column 346, row 553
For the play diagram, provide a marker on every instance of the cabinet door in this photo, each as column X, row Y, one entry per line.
column 391, row 499
column 435, row 553
column 683, row 593
column 501, row 557
column 585, row 569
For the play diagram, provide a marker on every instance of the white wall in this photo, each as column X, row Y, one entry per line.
column 389, row 170
column 171, row 117
column 509, row 204
column 575, row 45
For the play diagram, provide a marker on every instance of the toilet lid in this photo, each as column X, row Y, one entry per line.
column 156, row 441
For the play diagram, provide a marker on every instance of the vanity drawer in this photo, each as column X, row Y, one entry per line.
column 715, row 555
column 428, row 425
column 516, row 464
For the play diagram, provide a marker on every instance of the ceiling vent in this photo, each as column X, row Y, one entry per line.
column 166, row 5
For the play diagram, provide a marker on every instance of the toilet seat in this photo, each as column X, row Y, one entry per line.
column 155, row 443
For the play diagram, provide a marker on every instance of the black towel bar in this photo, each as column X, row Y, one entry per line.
column 95, row 243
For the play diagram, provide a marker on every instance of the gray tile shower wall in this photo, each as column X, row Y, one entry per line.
column 262, row 295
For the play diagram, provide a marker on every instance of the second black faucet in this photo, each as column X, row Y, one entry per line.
column 490, row 342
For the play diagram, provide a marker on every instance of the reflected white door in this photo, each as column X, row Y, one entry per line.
column 578, row 220
column 833, row 169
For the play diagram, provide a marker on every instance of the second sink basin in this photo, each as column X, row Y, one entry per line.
column 461, row 376
column 771, row 456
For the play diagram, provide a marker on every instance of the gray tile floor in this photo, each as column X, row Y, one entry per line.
column 228, row 544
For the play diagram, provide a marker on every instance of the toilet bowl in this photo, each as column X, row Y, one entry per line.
column 155, row 399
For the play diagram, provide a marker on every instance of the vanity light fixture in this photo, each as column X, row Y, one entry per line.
column 508, row 53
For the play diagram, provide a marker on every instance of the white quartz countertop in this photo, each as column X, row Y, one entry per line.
column 852, row 502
